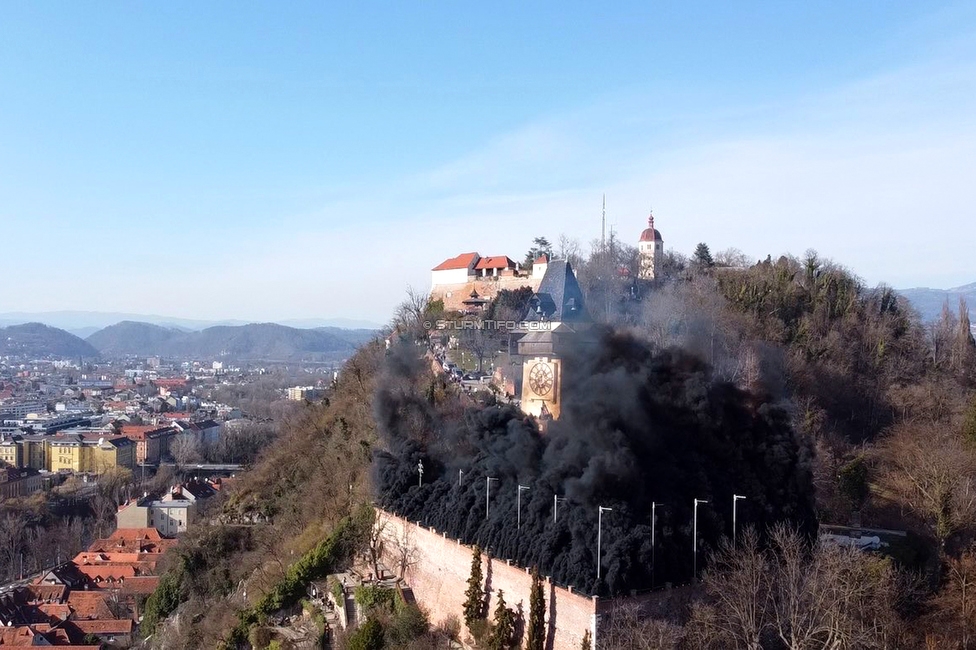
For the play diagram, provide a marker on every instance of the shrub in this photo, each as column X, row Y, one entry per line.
column 369, row 636
column 409, row 623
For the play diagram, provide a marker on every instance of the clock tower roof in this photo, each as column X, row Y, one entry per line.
column 559, row 298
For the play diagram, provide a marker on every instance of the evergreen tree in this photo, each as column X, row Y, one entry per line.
column 964, row 351
column 537, row 616
column 503, row 633
column 587, row 643
column 540, row 246
column 474, row 604
column 703, row 257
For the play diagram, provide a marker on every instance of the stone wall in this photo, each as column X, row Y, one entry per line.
column 437, row 568
column 454, row 295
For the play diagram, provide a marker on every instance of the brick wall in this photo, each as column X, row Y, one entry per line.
column 437, row 569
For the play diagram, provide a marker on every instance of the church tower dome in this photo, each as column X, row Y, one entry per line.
column 650, row 234
column 650, row 247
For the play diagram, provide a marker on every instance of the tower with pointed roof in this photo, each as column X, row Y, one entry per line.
column 650, row 248
column 556, row 321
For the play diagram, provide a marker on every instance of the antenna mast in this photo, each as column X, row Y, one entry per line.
column 603, row 229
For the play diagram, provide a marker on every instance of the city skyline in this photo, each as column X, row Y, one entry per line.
column 229, row 162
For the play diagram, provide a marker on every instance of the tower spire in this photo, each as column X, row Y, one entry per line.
column 650, row 220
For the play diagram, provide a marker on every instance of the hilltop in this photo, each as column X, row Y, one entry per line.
column 35, row 340
column 818, row 397
column 253, row 341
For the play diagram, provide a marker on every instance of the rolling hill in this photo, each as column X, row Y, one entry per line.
column 267, row 341
column 34, row 340
column 929, row 302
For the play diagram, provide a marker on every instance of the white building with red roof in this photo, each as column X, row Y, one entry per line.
column 456, row 270
column 459, row 280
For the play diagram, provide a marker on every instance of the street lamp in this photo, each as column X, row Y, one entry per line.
column 488, row 480
column 653, row 545
column 735, row 500
column 695, row 535
column 420, row 472
column 599, row 537
column 518, row 506
column 555, row 505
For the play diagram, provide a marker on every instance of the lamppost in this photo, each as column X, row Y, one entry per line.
column 695, row 535
column 555, row 505
column 599, row 537
column 488, row 480
column 735, row 501
column 420, row 472
column 653, row 545
column 518, row 506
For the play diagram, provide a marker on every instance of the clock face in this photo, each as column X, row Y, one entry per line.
column 540, row 378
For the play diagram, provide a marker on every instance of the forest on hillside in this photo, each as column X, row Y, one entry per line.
column 828, row 401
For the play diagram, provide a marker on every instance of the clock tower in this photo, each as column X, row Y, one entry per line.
column 556, row 319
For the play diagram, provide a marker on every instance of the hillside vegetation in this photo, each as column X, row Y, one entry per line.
column 264, row 341
column 37, row 341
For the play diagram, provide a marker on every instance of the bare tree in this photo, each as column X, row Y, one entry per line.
column 741, row 581
column 14, row 535
column 797, row 597
column 627, row 627
column 402, row 548
column 409, row 314
column 374, row 546
column 931, row 470
column 185, row 449
column 732, row 257
column 956, row 602
column 569, row 249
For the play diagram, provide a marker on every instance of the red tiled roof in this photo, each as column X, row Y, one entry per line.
column 134, row 534
column 105, row 626
column 462, row 261
column 140, row 585
column 102, row 574
column 542, row 259
column 89, row 604
column 497, row 262
column 55, row 593
column 54, row 612
column 17, row 636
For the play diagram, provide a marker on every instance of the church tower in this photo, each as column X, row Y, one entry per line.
column 650, row 247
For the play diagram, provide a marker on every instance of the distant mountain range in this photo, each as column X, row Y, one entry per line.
column 929, row 302
column 253, row 341
column 34, row 340
column 86, row 323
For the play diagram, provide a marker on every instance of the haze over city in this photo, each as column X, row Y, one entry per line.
column 298, row 161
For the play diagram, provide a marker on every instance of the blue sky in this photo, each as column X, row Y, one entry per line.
column 296, row 160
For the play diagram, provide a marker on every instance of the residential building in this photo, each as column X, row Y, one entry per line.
column 75, row 453
column 170, row 514
column 12, row 451
column 19, row 482
column 149, row 441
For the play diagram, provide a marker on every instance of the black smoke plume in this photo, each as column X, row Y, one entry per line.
column 638, row 425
